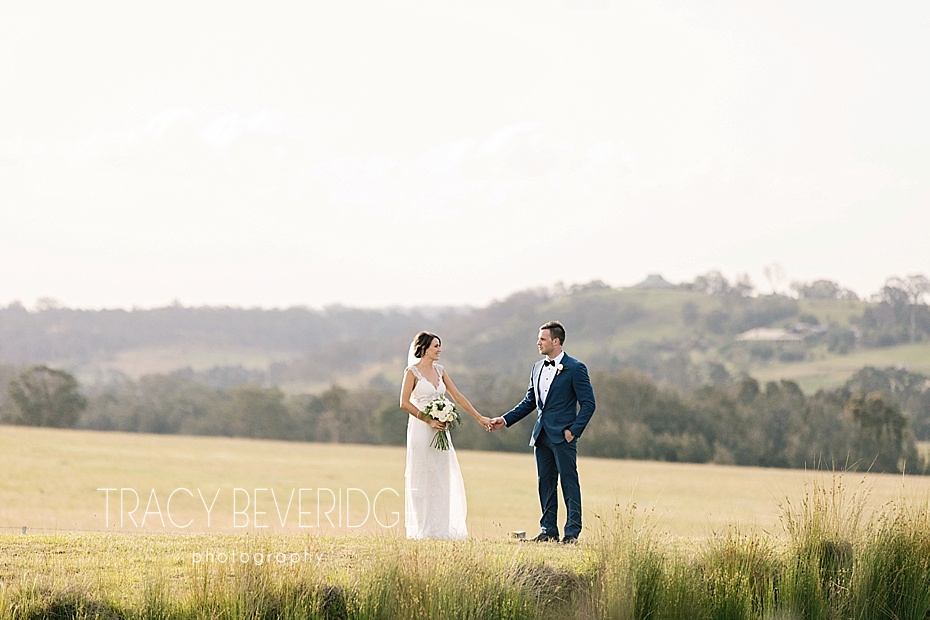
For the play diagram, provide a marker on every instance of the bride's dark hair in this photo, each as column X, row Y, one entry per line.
column 422, row 342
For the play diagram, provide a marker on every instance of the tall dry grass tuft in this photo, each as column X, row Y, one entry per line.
column 637, row 574
column 824, row 530
column 643, row 573
column 461, row 579
column 64, row 603
column 738, row 573
column 891, row 576
column 614, row 591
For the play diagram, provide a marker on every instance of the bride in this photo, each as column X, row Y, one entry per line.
column 434, row 505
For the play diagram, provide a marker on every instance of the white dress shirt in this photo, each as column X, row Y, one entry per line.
column 546, row 375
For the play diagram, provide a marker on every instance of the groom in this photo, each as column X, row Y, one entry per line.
column 561, row 396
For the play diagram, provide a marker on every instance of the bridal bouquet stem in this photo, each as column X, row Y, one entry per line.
column 444, row 410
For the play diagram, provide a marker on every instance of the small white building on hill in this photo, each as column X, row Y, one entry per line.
column 769, row 334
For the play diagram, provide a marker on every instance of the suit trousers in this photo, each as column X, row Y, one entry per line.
column 555, row 463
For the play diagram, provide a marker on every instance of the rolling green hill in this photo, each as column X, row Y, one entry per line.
column 681, row 337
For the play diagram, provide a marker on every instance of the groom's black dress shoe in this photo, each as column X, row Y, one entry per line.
column 543, row 537
column 569, row 540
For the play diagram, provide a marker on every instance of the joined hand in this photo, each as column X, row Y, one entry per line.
column 496, row 424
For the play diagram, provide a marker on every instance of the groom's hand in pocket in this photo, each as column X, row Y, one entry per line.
column 568, row 436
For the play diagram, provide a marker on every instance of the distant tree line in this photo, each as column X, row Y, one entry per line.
column 869, row 424
column 745, row 423
column 901, row 316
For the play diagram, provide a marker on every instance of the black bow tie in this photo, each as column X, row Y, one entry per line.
column 549, row 363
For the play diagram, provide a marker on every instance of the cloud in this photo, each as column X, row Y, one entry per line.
column 221, row 132
column 504, row 137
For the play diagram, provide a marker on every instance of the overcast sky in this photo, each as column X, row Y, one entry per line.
column 407, row 153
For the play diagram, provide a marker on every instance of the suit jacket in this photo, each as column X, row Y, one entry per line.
column 569, row 405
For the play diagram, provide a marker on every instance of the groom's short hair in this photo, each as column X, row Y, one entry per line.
column 555, row 331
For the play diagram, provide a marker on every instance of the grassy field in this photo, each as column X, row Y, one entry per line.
column 51, row 481
column 138, row 362
column 833, row 370
column 661, row 540
column 833, row 311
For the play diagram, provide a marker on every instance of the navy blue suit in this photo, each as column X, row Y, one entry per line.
column 569, row 405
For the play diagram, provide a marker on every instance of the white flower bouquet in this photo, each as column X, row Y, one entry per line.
column 444, row 410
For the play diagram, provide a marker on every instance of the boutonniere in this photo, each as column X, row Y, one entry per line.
column 559, row 369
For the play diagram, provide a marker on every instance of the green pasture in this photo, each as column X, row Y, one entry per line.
column 165, row 359
column 136, row 363
column 840, row 312
column 832, row 371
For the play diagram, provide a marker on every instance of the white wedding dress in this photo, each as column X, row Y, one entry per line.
column 434, row 504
